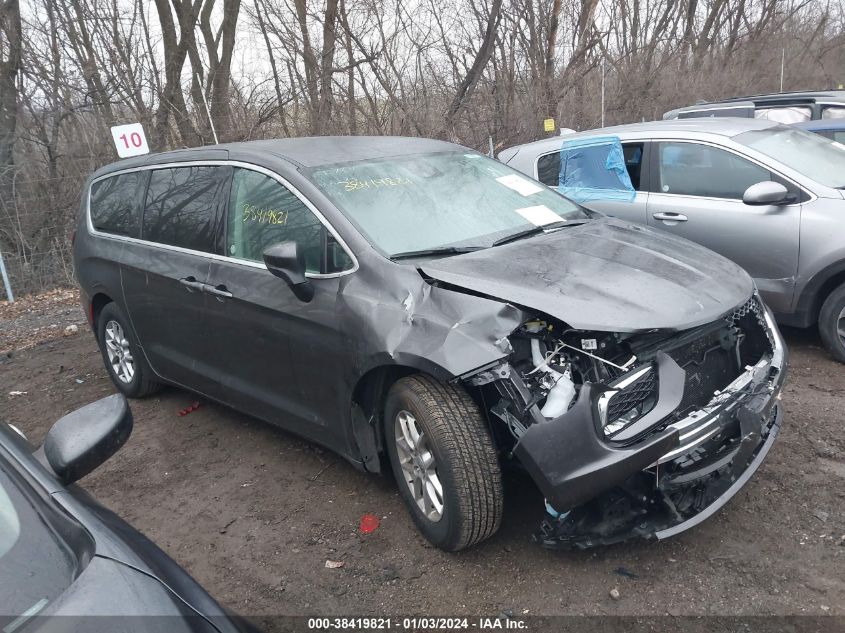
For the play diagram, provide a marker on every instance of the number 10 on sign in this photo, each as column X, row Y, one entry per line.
column 130, row 140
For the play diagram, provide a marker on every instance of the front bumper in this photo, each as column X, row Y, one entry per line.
column 664, row 483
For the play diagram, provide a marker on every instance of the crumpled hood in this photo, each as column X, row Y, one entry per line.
column 604, row 275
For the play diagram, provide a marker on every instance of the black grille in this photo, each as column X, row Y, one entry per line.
column 716, row 372
column 712, row 355
column 632, row 396
column 752, row 306
column 709, row 367
column 750, row 320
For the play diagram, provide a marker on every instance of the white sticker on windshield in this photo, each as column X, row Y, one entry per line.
column 540, row 215
column 522, row 186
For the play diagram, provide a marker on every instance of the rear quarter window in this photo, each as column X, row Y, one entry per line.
column 116, row 203
column 548, row 169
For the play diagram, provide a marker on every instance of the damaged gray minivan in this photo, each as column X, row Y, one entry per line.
column 416, row 306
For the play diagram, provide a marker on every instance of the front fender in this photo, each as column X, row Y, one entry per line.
column 443, row 332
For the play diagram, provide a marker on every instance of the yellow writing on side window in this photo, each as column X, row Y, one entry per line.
column 253, row 213
column 353, row 184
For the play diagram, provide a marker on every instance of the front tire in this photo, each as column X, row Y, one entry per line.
column 444, row 461
column 122, row 356
column 832, row 323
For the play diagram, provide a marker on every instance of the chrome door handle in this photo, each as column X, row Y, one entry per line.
column 670, row 217
column 218, row 291
column 192, row 284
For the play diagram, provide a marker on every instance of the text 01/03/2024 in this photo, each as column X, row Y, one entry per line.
column 416, row 623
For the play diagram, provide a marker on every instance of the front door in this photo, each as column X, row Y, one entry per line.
column 279, row 358
column 697, row 194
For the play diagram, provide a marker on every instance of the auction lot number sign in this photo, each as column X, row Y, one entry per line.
column 130, row 140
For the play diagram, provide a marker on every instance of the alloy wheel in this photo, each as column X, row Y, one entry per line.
column 840, row 326
column 419, row 468
column 117, row 349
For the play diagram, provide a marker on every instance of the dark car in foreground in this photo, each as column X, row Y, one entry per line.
column 67, row 563
column 416, row 306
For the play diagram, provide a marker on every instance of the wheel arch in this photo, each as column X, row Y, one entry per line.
column 817, row 290
column 367, row 406
column 99, row 301
column 368, row 398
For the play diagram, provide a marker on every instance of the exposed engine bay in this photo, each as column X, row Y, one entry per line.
column 634, row 434
column 554, row 363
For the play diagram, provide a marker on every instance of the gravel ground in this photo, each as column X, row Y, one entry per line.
column 254, row 513
column 37, row 318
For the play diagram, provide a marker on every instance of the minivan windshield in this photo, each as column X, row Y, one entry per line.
column 440, row 202
column 813, row 155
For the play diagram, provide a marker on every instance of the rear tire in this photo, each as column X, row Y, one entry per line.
column 450, row 449
column 832, row 323
column 124, row 360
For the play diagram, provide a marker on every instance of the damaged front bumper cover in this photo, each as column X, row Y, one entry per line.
column 661, row 484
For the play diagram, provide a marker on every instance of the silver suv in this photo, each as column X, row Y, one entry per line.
column 767, row 196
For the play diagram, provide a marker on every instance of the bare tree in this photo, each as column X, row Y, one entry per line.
column 11, row 41
column 482, row 56
column 460, row 69
column 219, row 45
column 176, row 46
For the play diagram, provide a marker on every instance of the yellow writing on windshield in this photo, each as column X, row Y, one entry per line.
column 256, row 214
column 353, row 184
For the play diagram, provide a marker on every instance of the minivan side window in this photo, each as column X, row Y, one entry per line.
column 694, row 169
column 263, row 212
column 548, row 165
column 181, row 206
column 115, row 203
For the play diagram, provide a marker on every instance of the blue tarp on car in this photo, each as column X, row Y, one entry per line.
column 594, row 169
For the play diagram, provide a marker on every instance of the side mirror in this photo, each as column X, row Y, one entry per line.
column 287, row 262
column 84, row 439
column 767, row 192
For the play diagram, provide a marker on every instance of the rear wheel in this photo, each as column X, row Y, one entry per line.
column 123, row 359
column 832, row 323
column 444, row 461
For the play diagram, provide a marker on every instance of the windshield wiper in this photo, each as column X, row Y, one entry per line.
column 431, row 252
column 536, row 230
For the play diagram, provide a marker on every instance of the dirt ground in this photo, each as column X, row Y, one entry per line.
column 254, row 513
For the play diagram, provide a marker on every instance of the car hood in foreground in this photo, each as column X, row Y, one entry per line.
column 604, row 275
